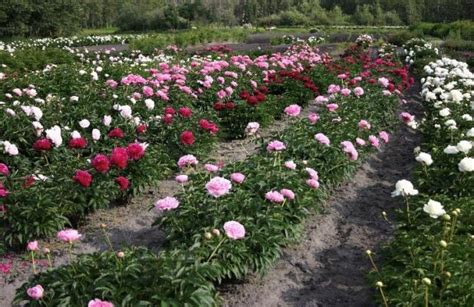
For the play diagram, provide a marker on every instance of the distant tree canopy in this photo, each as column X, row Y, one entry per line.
column 65, row 17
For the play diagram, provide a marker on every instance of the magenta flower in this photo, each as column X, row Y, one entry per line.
column 4, row 169
column 363, row 124
column 293, row 110
column 35, row 292
column 98, row 303
column 187, row 160
column 313, row 118
column 167, row 203
column 358, row 91
column 218, row 186
column 275, row 146
column 182, row 178
column 312, row 173
column 322, row 139
column 69, row 235
column 350, row 150
column 313, row 183
column 32, row 246
column 211, row 168
column 374, row 141
column 384, row 136
column 289, row 194
column 237, row 177
column 234, row 230
column 333, row 89
column 332, row 107
column 407, row 117
column 275, row 197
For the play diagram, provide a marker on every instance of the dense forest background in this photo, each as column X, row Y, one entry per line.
column 66, row 17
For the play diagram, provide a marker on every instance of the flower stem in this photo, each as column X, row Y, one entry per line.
column 215, row 250
column 373, row 263
column 426, row 297
column 385, row 302
column 33, row 262
column 408, row 210
column 107, row 240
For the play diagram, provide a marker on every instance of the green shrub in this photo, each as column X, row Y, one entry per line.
column 34, row 59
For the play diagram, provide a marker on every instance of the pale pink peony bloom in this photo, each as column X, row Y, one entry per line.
column 313, row 118
column 363, row 124
column 275, row 146
column 333, row 89
column 182, row 179
column 322, row 139
column 386, row 93
column 407, row 117
column 98, row 303
column 211, row 168
column 312, row 173
column 313, row 183
column 252, row 128
column 358, row 91
column 218, row 186
column 332, row 107
column 33, row 246
column 35, row 292
column 350, row 150
column 293, row 110
column 384, row 82
column 290, row 164
column 187, row 160
column 384, row 136
column 237, row 177
column 374, row 141
column 321, row 99
column 234, row 230
column 275, row 197
column 360, row 141
column 289, row 194
column 345, row 92
column 69, row 235
column 167, row 203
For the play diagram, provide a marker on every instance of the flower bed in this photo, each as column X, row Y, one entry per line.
column 232, row 220
column 430, row 261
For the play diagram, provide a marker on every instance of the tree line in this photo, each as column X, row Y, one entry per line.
column 66, row 17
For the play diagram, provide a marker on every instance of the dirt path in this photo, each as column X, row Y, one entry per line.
column 329, row 266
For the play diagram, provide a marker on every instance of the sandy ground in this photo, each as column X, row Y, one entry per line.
column 329, row 266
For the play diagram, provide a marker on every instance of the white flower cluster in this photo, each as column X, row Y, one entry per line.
column 416, row 48
column 364, row 39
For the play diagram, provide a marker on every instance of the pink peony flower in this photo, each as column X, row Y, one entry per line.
column 312, row 173
column 313, row 183
column 322, row 139
column 332, row 107
column 360, row 141
column 374, row 141
column 211, row 168
column 99, row 303
column 321, row 99
column 363, row 124
column 275, row 146
column 69, row 235
column 167, row 203
column 288, row 194
column 293, row 110
column 350, row 150
column 290, row 164
column 384, row 136
column 32, row 246
column 358, row 91
column 383, row 81
column 237, row 177
column 345, row 92
column 234, row 230
column 187, row 160
column 313, row 118
column 252, row 128
column 333, row 89
column 275, row 197
column 4, row 169
column 218, row 186
column 182, row 179
column 407, row 117
column 35, row 292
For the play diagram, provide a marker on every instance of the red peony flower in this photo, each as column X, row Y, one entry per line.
column 187, row 138
column 135, row 151
column 78, row 143
column 219, row 106
column 123, row 182
column 168, row 119
column 116, row 133
column 252, row 100
column 230, row 105
column 42, row 144
column 263, row 89
column 208, row 126
column 28, row 182
column 101, row 163
column 244, row 95
column 261, row 97
column 141, row 128
column 170, row 110
column 185, row 112
column 83, row 178
column 119, row 157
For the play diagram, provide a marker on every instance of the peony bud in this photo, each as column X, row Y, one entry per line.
column 120, row 254
column 379, row 284
column 216, row 232
column 207, row 235
column 443, row 244
column 426, row 281
column 446, row 217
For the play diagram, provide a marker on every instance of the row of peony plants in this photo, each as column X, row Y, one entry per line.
column 75, row 138
column 430, row 261
column 231, row 220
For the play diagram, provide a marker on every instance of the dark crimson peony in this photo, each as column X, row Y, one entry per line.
column 78, row 143
column 187, row 138
column 101, row 163
column 141, row 128
column 116, row 133
column 119, row 157
column 83, row 178
column 135, row 151
column 252, row 100
column 123, row 182
column 230, row 105
column 219, row 106
column 42, row 144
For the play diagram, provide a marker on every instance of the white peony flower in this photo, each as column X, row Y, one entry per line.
column 107, row 120
column 54, row 134
column 466, row 165
column 451, row 150
column 434, row 209
column 126, row 111
column 38, row 128
column 445, row 112
column 95, row 134
column 464, row 146
column 404, row 188
column 150, row 104
column 10, row 148
column 424, row 158
column 470, row 132
column 75, row 134
column 85, row 123
column 467, row 117
column 74, row 99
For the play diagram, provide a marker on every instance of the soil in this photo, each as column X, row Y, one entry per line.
column 329, row 266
